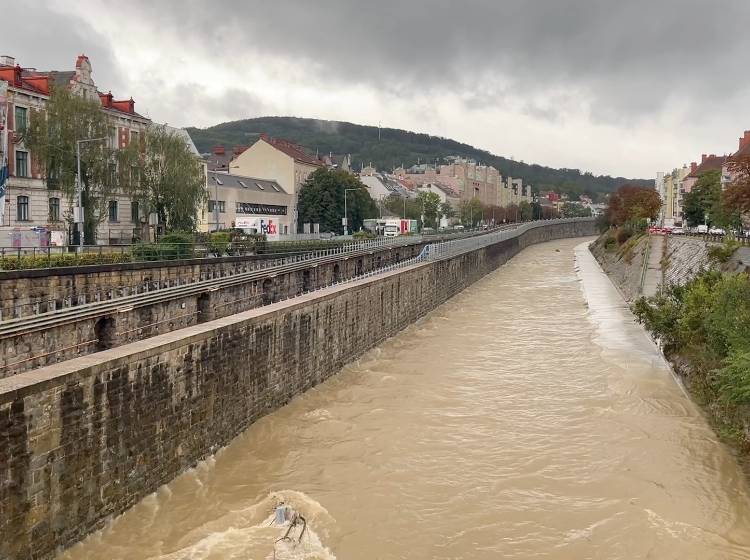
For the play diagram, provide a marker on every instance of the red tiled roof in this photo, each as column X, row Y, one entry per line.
column 708, row 163
column 292, row 150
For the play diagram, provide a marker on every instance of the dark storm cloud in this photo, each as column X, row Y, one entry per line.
column 47, row 39
column 628, row 58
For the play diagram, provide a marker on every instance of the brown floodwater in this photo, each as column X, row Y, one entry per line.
column 528, row 417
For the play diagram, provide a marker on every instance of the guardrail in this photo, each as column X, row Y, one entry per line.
column 29, row 258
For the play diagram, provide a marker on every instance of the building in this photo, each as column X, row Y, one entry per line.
column 31, row 201
column 274, row 159
column 220, row 157
column 727, row 177
column 708, row 163
column 249, row 203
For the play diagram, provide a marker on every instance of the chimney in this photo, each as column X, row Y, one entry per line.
column 745, row 140
column 693, row 167
column 7, row 60
column 218, row 150
column 703, row 158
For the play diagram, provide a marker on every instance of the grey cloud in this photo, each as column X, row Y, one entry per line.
column 628, row 56
column 47, row 39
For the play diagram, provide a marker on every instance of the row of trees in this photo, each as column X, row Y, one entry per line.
column 321, row 200
column 158, row 171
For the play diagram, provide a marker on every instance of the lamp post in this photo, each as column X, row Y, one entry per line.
column 80, row 220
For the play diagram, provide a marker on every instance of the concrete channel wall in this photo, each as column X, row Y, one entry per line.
column 30, row 346
column 86, row 439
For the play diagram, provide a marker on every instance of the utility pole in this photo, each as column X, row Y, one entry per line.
column 78, row 211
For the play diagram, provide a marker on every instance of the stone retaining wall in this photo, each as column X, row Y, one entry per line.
column 87, row 439
column 37, row 348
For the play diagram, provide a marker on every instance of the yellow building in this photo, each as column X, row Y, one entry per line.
column 277, row 160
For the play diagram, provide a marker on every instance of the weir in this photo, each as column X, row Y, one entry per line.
column 84, row 440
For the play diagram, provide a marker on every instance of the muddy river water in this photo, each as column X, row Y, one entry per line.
column 529, row 417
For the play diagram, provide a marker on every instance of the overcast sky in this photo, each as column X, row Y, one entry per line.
column 624, row 87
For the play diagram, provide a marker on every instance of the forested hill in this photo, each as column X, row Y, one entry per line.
column 395, row 147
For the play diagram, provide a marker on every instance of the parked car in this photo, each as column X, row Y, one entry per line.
column 716, row 231
column 703, row 228
column 458, row 227
column 677, row 231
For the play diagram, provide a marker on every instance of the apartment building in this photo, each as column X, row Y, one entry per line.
column 30, row 199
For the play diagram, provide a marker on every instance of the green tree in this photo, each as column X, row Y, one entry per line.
column 703, row 202
column 405, row 208
column 321, row 200
column 166, row 177
column 571, row 210
column 446, row 210
column 525, row 211
column 430, row 202
column 470, row 212
column 52, row 136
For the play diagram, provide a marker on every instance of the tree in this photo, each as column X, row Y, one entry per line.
column 703, row 202
column 471, row 212
column 52, row 136
column 447, row 211
column 524, row 210
column 736, row 197
column 166, row 177
column 631, row 203
column 321, row 200
column 430, row 202
column 408, row 208
column 571, row 210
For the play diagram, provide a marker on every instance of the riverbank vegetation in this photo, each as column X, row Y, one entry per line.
column 704, row 329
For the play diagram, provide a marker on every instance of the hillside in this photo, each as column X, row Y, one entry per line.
column 395, row 147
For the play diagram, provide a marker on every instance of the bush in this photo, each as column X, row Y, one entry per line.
column 218, row 243
column 59, row 260
column 363, row 234
column 722, row 253
column 623, row 234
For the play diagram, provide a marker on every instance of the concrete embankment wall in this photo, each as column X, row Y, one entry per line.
column 680, row 258
column 86, row 439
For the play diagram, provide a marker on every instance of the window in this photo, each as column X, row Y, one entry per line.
column 22, row 164
column 113, row 143
column 211, row 204
column 259, row 186
column 22, row 121
column 54, row 209
column 22, row 208
column 242, row 184
column 134, row 136
column 112, row 171
column 112, row 210
column 275, row 187
column 134, row 212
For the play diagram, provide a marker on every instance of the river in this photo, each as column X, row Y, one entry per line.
column 528, row 417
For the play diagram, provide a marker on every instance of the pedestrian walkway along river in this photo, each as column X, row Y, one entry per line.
column 529, row 417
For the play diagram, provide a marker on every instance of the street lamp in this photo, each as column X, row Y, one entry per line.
column 78, row 211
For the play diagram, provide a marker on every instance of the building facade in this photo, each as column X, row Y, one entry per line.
column 255, row 205
column 278, row 160
column 31, row 201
